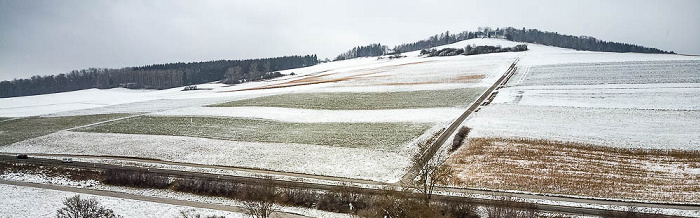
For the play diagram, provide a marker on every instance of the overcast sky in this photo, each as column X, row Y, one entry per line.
column 51, row 37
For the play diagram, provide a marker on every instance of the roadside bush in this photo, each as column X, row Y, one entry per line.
column 511, row 208
column 209, row 187
column 135, row 178
column 399, row 204
column 298, row 198
column 459, row 210
column 29, row 168
column 83, row 208
column 459, row 137
column 261, row 199
column 192, row 214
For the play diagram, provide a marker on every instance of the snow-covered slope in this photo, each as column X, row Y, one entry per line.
column 354, row 75
column 536, row 103
column 618, row 99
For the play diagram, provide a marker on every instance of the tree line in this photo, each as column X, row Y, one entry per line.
column 371, row 50
column 584, row 43
column 156, row 76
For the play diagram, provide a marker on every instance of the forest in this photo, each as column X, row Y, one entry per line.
column 371, row 50
column 583, row 43
column 156, row 76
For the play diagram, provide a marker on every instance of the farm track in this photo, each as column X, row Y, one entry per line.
column 435, row 146
column 365, row 190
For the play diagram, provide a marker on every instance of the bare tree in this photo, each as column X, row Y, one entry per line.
column 430, row 171
column 82, row 208
column 262, row 198
column 433, row 173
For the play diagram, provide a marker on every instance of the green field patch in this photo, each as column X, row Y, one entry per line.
column 364, row 100
column 16, row 130
column 387, row 136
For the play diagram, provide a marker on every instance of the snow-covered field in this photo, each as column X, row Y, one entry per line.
column 627, row 128
column 19, row 201
column 13, row 201
column 311, row 159
column 613, row 99
column 361, row 75
column 355, row 75
column 667, row 96
column 623, row 100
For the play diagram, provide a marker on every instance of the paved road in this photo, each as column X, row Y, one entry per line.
column 142, row 198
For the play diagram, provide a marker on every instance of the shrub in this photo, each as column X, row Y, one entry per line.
column 192, row 214
column 459, row 137
column 209, row 187
column 485, row 49
column 298, row 198
column 81, row 208
column 459, row 210
column 444, row 52
column 262, row 199
column 136, row 178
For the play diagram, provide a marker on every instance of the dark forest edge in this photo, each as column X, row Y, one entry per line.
column 156, row 76
column 163, row 76
column 582, row 43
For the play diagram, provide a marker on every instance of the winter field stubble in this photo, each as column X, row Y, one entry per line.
column 568, row 168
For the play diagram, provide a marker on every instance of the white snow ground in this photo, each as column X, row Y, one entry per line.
column 627, row 128
column 667, row 96
column 41, row 178
column 367, row 75
column 311, row 159
column 355, row 75
column 617, row 99
column 19, row 201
